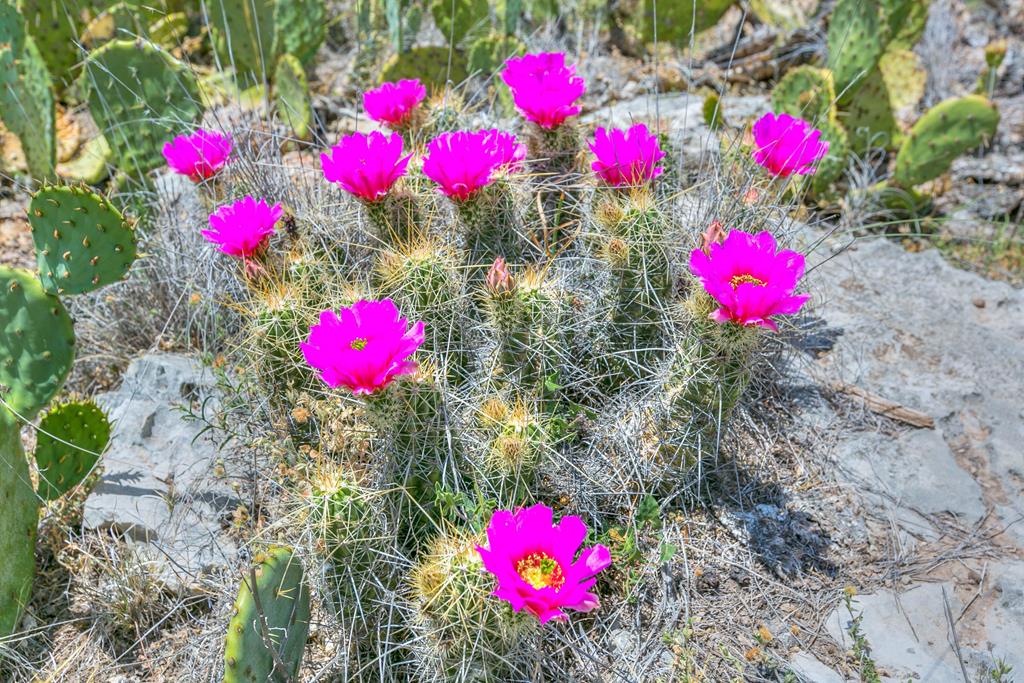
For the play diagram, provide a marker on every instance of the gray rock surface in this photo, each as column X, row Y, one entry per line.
column 911, row 328
column 943, row 341
column 908, row 633
column 157, row 488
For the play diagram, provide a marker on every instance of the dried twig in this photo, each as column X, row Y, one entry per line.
column 885, row 407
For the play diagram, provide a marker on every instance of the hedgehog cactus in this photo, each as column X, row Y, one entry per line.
column 461, row 632
column 632, row 243
column 527, row 313
column 266, row 637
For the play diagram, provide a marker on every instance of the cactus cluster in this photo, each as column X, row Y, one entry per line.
column 872, row 75
column 492, row 353
column 82, row 243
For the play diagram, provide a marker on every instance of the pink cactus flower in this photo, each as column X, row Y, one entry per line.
column 199, row 155
column 242, row 229
column 786, row 145
column 536, row 565
column 626, row 157
column 462, row 163
column 544, row 88
column 750, row 278
column 393, row 104
column 363, row 347
column 366, row 165
column 511, row 152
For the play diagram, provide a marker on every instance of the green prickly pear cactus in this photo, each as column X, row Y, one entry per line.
column 677, row 20
column 54, row 26
column 301, row 27
column 904, row 21
column 458, row 20
column 869, row 117
column 37, row 340
column 855, row 44
column 82, row 241
column 831, row 167
column 946, row 131
column 244, row 36
column 429, row 64
column 71, row 439
column 807, row 92
column 291, row 95
column 487, row 55
column 26, row 94
column 17, row 524
column 139, row 95
column 283, row 595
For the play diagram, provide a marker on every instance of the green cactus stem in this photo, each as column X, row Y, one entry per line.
column 26, row 98
column 301, row 27
column 460, row 20
column 266, row 637
column 71, row 438
column 434, row 66
column 807, row 92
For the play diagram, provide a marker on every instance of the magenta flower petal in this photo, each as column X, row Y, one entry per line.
column 367, row 166
column 544, row 88
column 394, row 103
column 536, row 565
column 750, row 278
column 242, row 228
column 462, row 163
column 199, row 155
column 626, row 157
column 363, row 347
column 511, row 152
column 786, row 145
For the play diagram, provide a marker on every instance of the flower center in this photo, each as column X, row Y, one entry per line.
column 358, row 344
column 540, row 570
column 738, row 280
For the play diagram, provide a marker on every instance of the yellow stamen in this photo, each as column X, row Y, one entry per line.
column 738, row 280
column 358, row 344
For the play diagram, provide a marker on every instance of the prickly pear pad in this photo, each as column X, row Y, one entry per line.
column 37, row 343
column 82, row 241
column 71, row 438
